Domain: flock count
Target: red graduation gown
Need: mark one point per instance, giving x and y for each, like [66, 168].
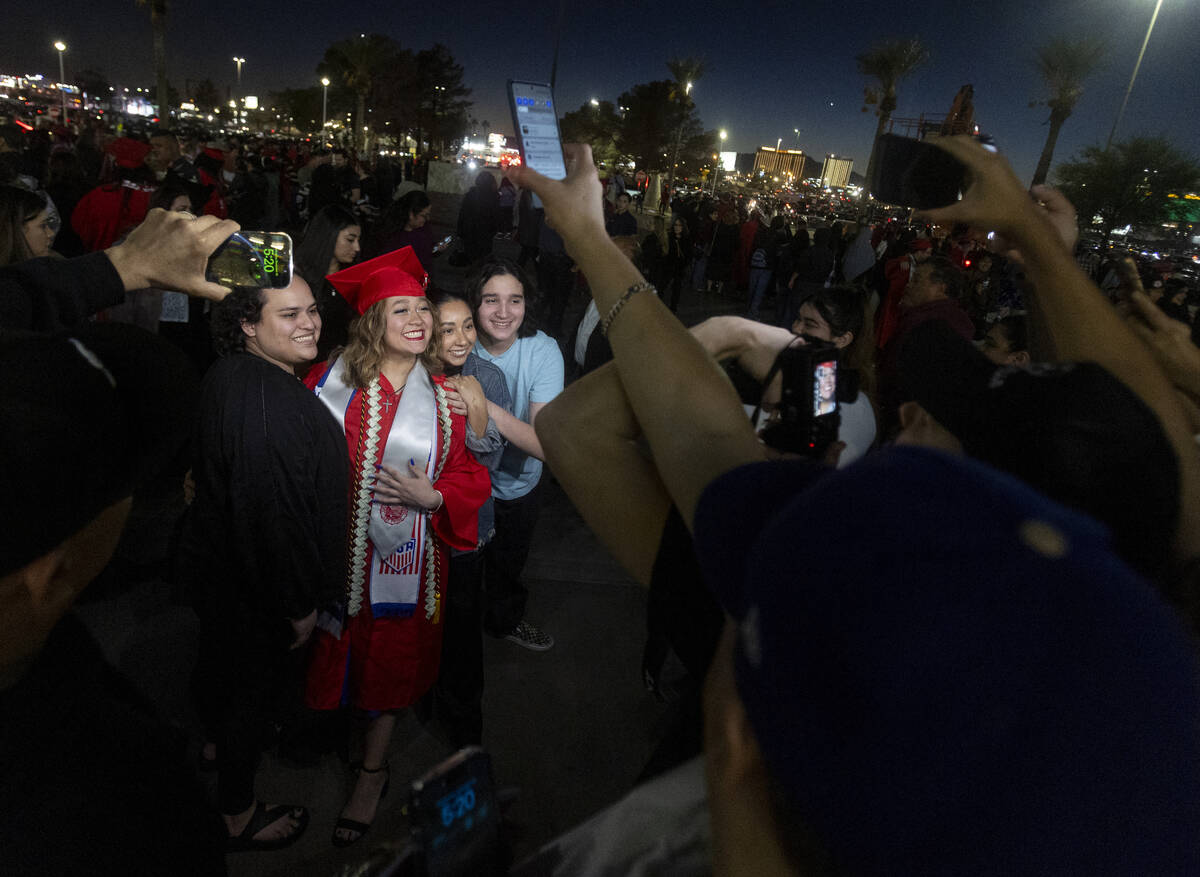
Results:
[388, 663]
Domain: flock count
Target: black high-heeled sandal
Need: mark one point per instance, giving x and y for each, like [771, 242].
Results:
[353, 825]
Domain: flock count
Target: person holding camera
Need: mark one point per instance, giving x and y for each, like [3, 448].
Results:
[168, 250]
[812, 759]
[836, 315]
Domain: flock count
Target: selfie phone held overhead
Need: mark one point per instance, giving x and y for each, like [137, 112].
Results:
[259, 259]
[535, 120]
[918, 173]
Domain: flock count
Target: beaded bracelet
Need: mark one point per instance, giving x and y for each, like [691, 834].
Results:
[640, 286]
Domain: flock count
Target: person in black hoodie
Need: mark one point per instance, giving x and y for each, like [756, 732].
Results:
[810, 272]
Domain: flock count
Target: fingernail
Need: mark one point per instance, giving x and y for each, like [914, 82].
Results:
[411, 461]
[378, 466]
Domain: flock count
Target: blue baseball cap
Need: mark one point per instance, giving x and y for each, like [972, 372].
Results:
[948, 673]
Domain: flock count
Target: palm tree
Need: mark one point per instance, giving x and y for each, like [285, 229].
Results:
[685, 72]
[887, 63]
[358, 63]
[1064, 64]
[158, 23]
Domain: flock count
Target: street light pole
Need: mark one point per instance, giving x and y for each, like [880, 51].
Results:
[239, 62]
[62, 78]
[717, 171]
[1121, 112]
[797, 130]
[324, 104]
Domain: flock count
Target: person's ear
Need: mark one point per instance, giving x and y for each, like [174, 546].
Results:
[841, 342]
[249, 329]
[1020, 358]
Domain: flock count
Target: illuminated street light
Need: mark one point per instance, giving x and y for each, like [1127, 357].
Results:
[594, 102]
[239, 62]
[324, 102]
[1121, 112]
[688, 90]
[61, 47]
[717, 172]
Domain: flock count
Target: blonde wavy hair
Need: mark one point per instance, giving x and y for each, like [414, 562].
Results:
[366, 351]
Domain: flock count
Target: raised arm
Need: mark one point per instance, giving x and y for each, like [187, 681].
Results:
[1078, 321]
[689, 413]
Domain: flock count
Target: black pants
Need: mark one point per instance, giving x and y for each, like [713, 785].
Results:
[504, 559]
[242, 684]
[458, 695]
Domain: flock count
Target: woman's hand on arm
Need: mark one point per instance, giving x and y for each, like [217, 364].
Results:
[471, 403]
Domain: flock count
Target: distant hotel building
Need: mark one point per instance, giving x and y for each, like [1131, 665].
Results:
[780, 163]
[835, 172]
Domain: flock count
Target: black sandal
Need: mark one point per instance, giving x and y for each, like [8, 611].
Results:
[353, 825]
[260, 819]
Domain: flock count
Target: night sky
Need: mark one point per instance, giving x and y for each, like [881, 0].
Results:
[772, 66]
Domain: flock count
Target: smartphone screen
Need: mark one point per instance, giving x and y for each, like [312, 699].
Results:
[536, 124]
[824, 388]
[261, 259]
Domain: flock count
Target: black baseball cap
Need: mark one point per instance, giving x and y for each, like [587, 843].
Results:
[1071, 430]
[85, 417]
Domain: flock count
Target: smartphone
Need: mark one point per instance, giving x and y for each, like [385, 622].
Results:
[536, 123]
[454, 812]
[915, 173]
[261, 259]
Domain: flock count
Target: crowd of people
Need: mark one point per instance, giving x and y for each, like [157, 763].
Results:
[961, 639]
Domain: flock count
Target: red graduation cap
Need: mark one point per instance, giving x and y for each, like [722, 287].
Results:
[128, 153]
[393, 274]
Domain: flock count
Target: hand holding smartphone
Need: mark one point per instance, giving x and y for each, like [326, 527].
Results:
[536, 123]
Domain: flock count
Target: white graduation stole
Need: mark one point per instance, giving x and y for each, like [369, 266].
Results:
[396, 533]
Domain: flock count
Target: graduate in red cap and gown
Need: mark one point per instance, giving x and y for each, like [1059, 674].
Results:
[415, 492]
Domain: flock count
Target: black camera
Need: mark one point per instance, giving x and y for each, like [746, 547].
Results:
[808, 417]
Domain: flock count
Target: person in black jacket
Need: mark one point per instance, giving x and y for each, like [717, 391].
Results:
[264, 540]
[810, 272]
[477, 223]
[95, 782]
[675, 261]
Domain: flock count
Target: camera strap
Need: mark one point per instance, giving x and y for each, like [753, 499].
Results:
[766, 382]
